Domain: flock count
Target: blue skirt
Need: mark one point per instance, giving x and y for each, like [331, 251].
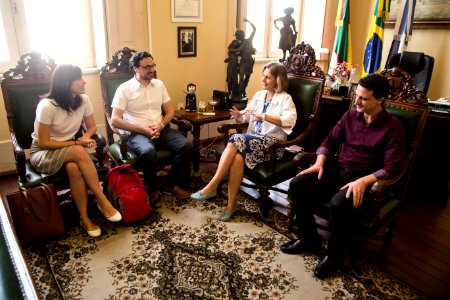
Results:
[253, 148]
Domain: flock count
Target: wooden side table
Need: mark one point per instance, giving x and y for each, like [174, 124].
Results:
[197, 120]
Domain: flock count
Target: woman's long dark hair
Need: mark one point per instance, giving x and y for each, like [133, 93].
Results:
[60, 87]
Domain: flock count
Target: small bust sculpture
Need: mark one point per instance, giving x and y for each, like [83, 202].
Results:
[191, 99]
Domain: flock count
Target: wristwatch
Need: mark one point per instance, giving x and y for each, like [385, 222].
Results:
[263, 117]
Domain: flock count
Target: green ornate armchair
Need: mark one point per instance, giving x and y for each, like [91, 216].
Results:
[112, 75]
[22, 87]
[306, 81]
[411, 107]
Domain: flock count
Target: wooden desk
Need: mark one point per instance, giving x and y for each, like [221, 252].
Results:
[197, 120]
[430, 178]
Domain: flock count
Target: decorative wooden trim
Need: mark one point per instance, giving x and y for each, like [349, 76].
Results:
[302, 61]
[120, 61]
[33, 66]
[402, 88]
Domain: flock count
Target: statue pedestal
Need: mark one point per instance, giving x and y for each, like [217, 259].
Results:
[240, 102]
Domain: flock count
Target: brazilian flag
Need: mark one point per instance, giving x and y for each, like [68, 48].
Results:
[374, 43]
[342, 50]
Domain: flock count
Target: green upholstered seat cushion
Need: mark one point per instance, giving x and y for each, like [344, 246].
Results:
[163, 157]
[114, 152]
[23, 100]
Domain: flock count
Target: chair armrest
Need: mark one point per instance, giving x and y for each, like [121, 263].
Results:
[225, 129]
[20, 158]
[183, 125]
[99, 149]
[101, 144]
[295, 141]
[304, 160]
[99, 139]
[381, 187]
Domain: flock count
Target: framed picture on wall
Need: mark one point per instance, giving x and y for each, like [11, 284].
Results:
[186, 10]
[427, 14]
[187, 41]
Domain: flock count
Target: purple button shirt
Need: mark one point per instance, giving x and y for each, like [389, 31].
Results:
[378, 148]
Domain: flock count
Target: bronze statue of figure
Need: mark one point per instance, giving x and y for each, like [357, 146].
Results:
[240, 63]
[288, 35]
[233, 67]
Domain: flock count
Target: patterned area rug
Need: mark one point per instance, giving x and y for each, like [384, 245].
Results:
[183, 252]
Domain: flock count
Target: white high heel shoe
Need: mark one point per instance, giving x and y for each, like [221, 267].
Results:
[114, 218]
[92, 233]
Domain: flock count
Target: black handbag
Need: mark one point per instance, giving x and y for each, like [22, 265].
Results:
[36, 213]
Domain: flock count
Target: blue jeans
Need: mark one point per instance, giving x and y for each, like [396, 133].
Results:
[171, 140]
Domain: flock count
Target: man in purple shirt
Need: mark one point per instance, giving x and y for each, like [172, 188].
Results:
[374, 149]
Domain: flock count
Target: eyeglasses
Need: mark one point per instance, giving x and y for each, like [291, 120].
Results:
[148, 67]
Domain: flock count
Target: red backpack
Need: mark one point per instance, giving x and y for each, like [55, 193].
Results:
[125, 190]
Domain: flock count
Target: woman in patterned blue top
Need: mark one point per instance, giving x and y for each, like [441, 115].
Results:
[271, 115]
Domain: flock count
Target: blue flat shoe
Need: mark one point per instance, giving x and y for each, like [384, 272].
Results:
[199, 196]
[225, 216]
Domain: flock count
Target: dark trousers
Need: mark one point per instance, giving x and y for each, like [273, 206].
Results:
[171, 140]
[307, 191]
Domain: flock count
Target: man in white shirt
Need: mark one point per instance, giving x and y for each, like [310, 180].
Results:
[142, 106]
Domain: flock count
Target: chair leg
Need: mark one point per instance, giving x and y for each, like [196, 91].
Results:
[389, 234]
[266, 202]
[360, 246]
[290, 215]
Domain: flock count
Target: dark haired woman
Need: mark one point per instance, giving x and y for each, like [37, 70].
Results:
[58, 118]
[271, 115]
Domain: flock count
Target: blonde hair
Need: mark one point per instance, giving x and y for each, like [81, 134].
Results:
[279, 71]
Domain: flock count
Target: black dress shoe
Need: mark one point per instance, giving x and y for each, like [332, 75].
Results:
[298, 246]
[327, 267]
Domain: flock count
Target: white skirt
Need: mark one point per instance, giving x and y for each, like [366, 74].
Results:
[47, 162]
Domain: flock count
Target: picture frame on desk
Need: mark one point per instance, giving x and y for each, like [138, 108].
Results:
[187, 41]
[352, 90]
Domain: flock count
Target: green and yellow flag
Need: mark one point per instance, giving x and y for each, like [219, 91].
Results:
[374, 44]
[342, 50]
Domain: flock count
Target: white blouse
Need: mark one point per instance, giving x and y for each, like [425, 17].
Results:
[281, 105]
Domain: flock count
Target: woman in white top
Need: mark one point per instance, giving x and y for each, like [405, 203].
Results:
[58, 118]
[271, 115]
